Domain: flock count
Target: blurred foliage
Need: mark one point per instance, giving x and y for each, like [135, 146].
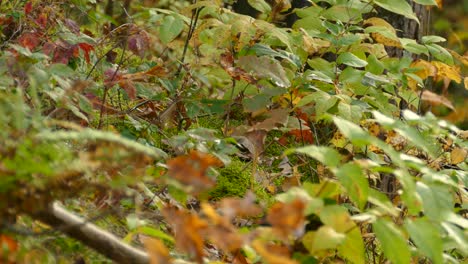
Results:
[213, 137]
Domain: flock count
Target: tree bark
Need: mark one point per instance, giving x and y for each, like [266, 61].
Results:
[407, 28]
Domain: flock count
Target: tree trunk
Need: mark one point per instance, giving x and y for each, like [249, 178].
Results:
[407, 28]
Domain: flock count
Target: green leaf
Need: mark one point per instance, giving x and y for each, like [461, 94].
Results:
[458, 236]
[397, 6]
[324, 66]
[440, 53]
[349, 111]
[170, 28]
[426, 237]
[324, 238]
[426, 2]
[325, 155]
[151, 231]
[342, 13]
[354, 181]
[414, 47]
[334, 28]
[350, 59]
[264, 50]
[347, 40]
[257, 102]
[437, 200]
[353, 247]
[324, 189]
[323, 102]
[393, 242]
[265, 67]
[260, 5]
[432, 39]
[381, 201]
[353, 132]
[374, 66]
[319, 76]
[337, 217]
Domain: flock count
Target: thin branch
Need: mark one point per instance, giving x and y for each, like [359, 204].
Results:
[103, 242]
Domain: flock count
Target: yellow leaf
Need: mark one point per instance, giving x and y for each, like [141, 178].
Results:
[425, 69]
[390, 40]
[439, 3]
[458, 155]
[465, 81]
[446, 71]
[377, 21]
[379, 38]
[462, 59]
[436, 99]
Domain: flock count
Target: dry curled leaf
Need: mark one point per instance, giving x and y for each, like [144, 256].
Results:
[436, 99]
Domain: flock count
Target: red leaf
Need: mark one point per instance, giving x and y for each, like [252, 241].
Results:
[304, 134]
[129, 88]
[29, 40]
[139, 43]
[42, 20]
[27, 8]
[86, 49]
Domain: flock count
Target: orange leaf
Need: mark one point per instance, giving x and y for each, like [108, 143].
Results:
[304, 134]
[192, 169]
[271, 255]
[158, 253]
[220, 231]
[288, 218]
[187, 229]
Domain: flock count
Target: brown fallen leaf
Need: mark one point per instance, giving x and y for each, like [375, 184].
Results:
[436, 99]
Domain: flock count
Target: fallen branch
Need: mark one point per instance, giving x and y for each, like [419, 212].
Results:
[103, 242]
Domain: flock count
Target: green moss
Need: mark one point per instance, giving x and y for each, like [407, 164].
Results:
[215, 122]
[233, 180]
